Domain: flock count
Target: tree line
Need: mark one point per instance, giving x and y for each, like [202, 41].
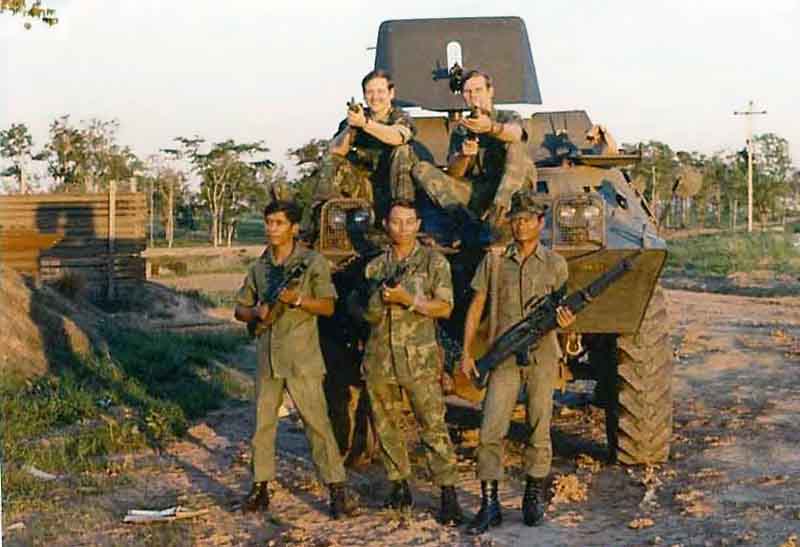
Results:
[233, 179]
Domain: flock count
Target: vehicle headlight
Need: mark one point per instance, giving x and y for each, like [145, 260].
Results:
[591, 212]
[361, 216]
[337, 219]
[566, 212]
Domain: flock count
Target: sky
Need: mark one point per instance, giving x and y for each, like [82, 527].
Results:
[282, 72]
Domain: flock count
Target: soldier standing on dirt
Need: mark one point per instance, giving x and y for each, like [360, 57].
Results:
[369, 157]
[508, 279]
[402, 354]
[488, 159]
[289, 356]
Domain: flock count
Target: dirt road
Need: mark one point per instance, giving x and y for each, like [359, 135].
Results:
[733, 478]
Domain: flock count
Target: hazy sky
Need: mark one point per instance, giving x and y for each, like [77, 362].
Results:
[282, 71]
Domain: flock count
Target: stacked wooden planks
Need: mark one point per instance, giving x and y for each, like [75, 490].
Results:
[48, 235]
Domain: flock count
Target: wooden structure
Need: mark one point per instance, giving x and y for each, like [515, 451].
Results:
[99, 237]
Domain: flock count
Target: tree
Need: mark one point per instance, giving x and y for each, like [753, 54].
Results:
[308, 158]
[169, 190]
[658, 167]
[228, 180]
[88, 157]
[16, 144]
[33, 10]
[772, 170]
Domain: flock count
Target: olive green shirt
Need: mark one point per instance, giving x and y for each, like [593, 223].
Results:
[289, 346]
[518, 281]
[402, 345]
[490, 162]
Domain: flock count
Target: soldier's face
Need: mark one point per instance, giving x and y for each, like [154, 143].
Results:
[378, 95]
[402, 225]
[279, 230]
[476, 92]
[525, 227]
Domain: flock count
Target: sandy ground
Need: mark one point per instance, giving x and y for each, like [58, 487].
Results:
[733, 477]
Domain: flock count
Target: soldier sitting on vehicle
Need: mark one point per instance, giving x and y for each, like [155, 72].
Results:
[488, 158]
[369, 157]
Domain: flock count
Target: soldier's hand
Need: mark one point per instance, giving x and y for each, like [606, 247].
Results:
[468, 366]
[564, 317]
[469, 147]
[481, 124]
[356, 118]
[289, 296]
[397, 295]
[262, 312]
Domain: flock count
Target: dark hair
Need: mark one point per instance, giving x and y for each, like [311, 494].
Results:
[289, 208]
[404, 203]
[374, 74]
[473, 73]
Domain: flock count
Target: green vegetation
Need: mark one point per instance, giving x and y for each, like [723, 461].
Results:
[724, 254]
[181, 266]
[143, 395]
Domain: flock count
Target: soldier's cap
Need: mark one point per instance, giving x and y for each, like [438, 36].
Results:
[524, 201]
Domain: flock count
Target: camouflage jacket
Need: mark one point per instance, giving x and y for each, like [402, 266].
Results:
[289, 346]
[490, 161]
[402, 344]
[371, 152]
[519, 280]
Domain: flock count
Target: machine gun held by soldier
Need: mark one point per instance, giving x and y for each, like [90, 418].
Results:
[278, 279]
[526, 333]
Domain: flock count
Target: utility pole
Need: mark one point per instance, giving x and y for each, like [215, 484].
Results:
[749, 113]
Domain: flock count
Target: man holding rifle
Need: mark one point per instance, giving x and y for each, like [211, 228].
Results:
[289, 356]
[507, 280]
[402, 355]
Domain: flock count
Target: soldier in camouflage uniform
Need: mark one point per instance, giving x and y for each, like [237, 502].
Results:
[488, 159]
[369, 157]
[289, 356]
[508, 279]
[402, 354]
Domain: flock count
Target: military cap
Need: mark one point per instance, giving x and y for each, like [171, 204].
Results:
[524, 201]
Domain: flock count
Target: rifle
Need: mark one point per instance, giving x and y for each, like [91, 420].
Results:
[527, 332]
[278, 279]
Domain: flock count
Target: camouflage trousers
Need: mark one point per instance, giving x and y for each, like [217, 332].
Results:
[427, 403]
[501, 398]
[309, 399]
[485, 198]
[367, 175]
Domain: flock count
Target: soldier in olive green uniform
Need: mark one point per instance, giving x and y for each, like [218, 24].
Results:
[488, 159]
[402, 353]
[507, 280]
[369, 157]
[289, 356]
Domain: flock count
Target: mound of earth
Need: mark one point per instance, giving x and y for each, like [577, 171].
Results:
[40, 324]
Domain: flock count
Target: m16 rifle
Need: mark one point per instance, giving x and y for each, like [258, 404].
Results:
[526, 333]
[278, 279]
[356, 155]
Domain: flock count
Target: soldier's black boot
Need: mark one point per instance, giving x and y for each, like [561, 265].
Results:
[490, 513]
[450, 513]
[533, 502]
[400, 496]
[257, 499]
[341, 504]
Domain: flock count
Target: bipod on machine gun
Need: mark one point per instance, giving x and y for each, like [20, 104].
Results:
[278, 279]
[526, 333]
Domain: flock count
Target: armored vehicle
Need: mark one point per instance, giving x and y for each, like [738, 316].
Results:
[596, 217]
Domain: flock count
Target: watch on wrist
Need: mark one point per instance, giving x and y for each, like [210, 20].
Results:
[298, 302]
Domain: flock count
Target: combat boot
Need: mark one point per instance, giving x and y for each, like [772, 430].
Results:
[341, 504]
[490, 513]
[399, 497]
[450, 513]
[533, 501]
[257, 499]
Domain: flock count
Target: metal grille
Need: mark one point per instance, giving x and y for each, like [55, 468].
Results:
[579, 221]
[333, 237]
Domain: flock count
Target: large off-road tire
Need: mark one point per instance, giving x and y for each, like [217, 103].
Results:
[644, 388]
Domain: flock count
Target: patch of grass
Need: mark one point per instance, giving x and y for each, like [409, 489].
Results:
[210, 299]
[722, 255]
[144, 394]
[168, 266]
